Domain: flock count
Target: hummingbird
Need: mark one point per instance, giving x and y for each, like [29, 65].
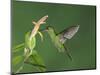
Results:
[60, 38]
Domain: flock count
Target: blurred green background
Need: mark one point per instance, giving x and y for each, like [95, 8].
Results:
[82, 45]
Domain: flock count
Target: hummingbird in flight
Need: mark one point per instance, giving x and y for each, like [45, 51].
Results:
[60, 38]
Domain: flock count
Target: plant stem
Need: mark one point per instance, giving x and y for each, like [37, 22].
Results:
[16, 48]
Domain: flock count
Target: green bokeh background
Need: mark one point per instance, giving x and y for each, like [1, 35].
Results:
[82, 45]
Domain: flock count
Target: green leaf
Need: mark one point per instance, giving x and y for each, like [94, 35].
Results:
[16, 60]
[29, 43]
[34, 64]
[36, 61]
[18, 47]
[41, 35]
[33, 43]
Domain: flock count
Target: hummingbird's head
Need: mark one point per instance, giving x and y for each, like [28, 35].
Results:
[49, 29]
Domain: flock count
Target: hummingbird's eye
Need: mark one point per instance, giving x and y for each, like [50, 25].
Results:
[47, 27]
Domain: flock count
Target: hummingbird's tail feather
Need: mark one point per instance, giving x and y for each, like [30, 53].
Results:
[67, 52]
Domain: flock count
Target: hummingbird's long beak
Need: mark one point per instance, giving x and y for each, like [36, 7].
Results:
[44, 30]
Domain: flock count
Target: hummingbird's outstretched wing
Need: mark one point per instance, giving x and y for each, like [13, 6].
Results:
[68, 33]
